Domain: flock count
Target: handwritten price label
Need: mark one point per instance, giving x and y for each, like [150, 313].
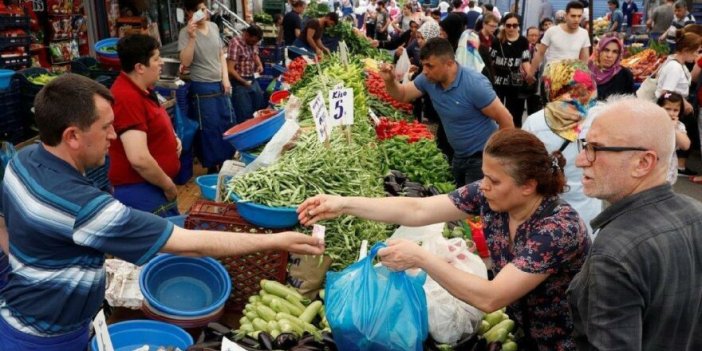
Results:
[341, 107]
[320, 116]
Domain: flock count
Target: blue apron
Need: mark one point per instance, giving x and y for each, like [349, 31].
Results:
[213, 110]
[12, 339]
[146, 197]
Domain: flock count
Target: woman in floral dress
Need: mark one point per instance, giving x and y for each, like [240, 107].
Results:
[537, 242]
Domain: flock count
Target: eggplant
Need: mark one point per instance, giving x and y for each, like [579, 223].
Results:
[328, 341]
[495, 346]
[248, 341]
[219, 327]
[306, 348]
[285, 341]
[265, 341]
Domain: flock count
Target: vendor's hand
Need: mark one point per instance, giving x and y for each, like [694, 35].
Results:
[399, 50]
[319, 208]
[387, 72]
[227, 87]
[401, 254]
[374, 43]
[320, 54]
[171, 192]
[413, 69]
[299, 243]
[179, 146]
[192, 29]
[259, 69]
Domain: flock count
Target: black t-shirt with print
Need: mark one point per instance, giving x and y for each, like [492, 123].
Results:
[507, 57]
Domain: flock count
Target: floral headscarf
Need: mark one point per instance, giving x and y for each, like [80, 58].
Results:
[429, 30]
[571, 91]
[603, 75]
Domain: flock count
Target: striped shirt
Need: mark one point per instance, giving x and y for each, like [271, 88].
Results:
[60, 226]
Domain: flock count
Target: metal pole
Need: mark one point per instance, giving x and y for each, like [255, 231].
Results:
[591, 20]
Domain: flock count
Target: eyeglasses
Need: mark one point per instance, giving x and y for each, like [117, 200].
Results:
[510, 25]
[590, 149]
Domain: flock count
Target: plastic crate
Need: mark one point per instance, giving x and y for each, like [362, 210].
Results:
[8, 42]
[247, 271]
[270, 53]
[8, 21]
[90, 67]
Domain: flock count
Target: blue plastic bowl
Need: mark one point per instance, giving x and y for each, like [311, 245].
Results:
[208, 186]
[100, 45]
[6, 78]
[130, 335]
[185, 286]
[256, 134]
[265, 216]
[247, 157]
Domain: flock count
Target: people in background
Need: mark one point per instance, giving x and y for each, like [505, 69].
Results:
[616, 17]
[531, 91]
[629, 8]
[674, 76]
[545, 10]
[243, 63]
[681, 18]
[402, 23]
[564, 41]
[57, 226]
[144, 156]
[638, 288]
[310, 37]
[660, 20]
[472, 15]
[611, 77]
[544, 25]
[673, 105]
[292, 22]
[510, 60]
[571, 95]
[464, 99]
[536, 241]
[382, 21]
[202, 49]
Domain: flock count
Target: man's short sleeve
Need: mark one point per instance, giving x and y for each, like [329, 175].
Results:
[546, 40]
[297, 22]
[586, 38]
[128, 115]
[553, 244]
[483, 93]
[108, 226]
[421, 83]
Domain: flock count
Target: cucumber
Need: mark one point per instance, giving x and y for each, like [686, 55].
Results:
[509, 346]
[496, 335]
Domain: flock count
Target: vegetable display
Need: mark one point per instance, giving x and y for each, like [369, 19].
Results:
[421, 161]
[42, 79]
[376, 86]
[644, 63]
[414, 131]
[296, 69]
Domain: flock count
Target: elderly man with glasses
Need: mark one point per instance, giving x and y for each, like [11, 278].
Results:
[639, 288]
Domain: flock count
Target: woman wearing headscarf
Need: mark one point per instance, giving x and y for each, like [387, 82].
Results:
[571, 93]
[605, 65]
[451, 28]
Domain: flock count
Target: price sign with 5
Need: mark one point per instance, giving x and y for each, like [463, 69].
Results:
[341, 106]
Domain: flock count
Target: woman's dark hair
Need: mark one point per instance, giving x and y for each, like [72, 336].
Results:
[136, 48]
[191, 5]
[453, 25]
[502, 35]
[66, 101]
[671, 97]
[525, 157]
[489, 7]
[687, 41]
[575, 5]
[613, 2]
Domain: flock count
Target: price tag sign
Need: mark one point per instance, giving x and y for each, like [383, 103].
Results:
[101, 334]
[318, 231]
[373, 116]
[320, 116]
[341, 107]
[344, 53]
[228, 345]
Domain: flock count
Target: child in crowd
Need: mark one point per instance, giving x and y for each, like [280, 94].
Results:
[673, 104]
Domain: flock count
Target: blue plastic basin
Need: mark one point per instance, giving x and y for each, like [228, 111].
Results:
[247, 157]
[130, 335]
[208, 186]
[185, 286]
[100, 45]
[256, 134]
[266, 216]
[6, 78]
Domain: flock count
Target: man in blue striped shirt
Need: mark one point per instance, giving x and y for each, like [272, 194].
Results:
[60, 226]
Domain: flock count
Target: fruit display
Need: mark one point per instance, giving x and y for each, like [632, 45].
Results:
[643, 64]
[600, 25]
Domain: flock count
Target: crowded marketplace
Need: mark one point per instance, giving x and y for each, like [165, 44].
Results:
[322, 175]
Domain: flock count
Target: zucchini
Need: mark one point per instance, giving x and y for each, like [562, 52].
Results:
[266, 313]
[495, 334]
[484, 327]
[280, 290]
[494, 317]
[311, 311]
[260, 325]
[509, 346]
[506, 324]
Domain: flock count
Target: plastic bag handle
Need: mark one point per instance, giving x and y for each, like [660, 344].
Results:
[375, 249]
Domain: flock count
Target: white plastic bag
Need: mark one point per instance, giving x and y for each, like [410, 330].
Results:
[402, 67]
[467, 54]
[449, 317]
[274, 148]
